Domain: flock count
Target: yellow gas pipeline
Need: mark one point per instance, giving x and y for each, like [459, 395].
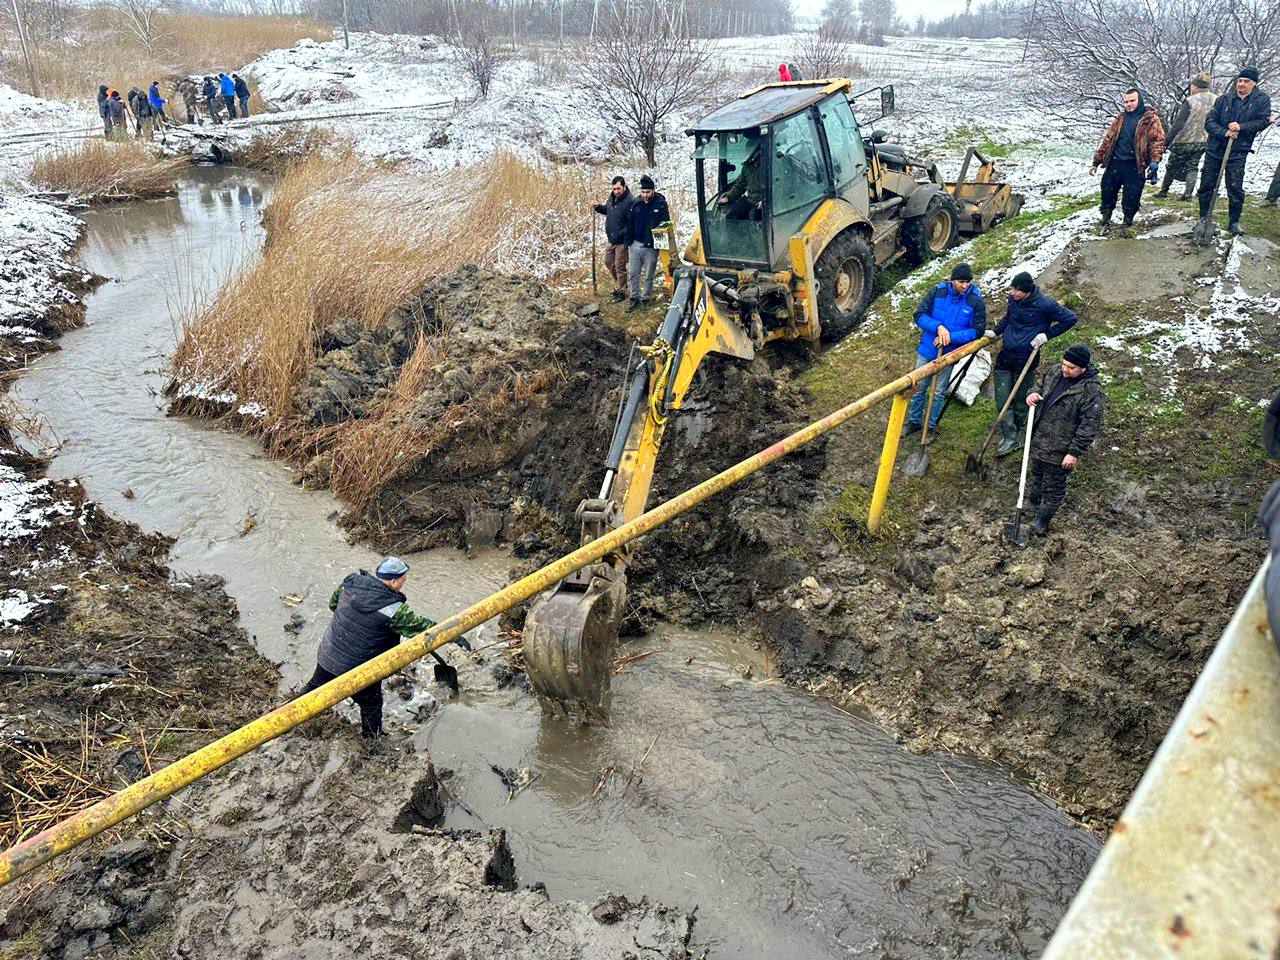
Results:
[61, 837]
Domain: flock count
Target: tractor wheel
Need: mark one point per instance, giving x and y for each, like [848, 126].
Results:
[846, 272]
[934, 232]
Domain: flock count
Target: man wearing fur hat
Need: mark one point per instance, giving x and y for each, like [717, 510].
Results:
[1068, 417]
[1236, 118]
[1130, 150]
[1187, 137]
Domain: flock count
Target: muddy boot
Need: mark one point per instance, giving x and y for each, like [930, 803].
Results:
[1165, 184]
[617, 296]
[1234, 229]
[910, 427]
[1006, 446]
[1128, 220]
[1190, 192]
[1040, 525]
[632, 305]
[1104, 223]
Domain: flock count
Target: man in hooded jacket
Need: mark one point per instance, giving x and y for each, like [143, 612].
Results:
[104, 111]
[1130, 150]
[370, 616]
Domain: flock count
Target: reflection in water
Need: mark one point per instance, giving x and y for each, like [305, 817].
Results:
[798, 830]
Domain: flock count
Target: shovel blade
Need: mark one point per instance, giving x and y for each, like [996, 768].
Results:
[1016, 533]
[448, 675]
[975, 466]
[916, 464]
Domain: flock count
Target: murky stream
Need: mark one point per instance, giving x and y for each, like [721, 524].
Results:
[798, 830]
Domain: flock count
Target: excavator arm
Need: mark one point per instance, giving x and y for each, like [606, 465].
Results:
[571, 633]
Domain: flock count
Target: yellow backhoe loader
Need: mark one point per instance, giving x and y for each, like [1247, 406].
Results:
[797, 210]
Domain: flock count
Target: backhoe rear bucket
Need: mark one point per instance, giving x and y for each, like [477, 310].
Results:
[571, 639]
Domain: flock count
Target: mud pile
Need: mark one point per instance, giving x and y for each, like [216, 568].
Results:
[514, 394]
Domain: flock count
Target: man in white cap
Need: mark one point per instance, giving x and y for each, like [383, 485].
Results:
[370, 615]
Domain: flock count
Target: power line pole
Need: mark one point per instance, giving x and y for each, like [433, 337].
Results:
[26, 52]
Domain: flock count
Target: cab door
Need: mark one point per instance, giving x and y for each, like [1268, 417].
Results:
[846, 150]
[798, 180]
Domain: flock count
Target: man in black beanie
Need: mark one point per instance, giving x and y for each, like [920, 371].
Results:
[1031, 319]
[1237, 117]
[1068, 418]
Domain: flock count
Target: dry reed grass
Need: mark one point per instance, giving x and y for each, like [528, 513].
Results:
[99, 171]
[188, 43]
[346, 240]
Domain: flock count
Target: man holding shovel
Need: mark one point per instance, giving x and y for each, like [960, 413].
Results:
[1237, 117]
[1068, 417]
[951, 314]
[1031, 319]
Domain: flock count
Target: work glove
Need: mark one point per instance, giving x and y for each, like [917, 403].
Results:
[1152, 169]
[1039, 340]
[989, 334]
[464, 643]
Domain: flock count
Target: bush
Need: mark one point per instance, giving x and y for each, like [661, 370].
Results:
[98, 171]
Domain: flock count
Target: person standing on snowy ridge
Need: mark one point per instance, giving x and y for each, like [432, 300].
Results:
[1130, 150]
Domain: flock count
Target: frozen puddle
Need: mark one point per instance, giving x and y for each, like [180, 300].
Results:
[796, 829]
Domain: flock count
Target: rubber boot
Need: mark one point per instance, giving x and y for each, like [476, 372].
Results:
[1040, 525]
[1105, 223]
[1233, 219]
[1128, 220]
[1233, 228]
[1190, 192]
[632, 305]
[1165, 184]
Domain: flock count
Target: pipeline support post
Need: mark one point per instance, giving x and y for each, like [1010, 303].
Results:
[888, 455]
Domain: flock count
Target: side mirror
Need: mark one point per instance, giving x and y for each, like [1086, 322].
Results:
[886, 101]
[879, 136]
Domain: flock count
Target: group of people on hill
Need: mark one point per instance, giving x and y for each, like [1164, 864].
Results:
[1220, 130]
[225, 92]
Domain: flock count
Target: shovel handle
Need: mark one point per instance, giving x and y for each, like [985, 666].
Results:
[928, 408]
[1026, 456]
[1008, 402]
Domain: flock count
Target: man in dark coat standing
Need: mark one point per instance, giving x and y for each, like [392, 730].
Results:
[1130, 150]
[1237, 116]
[1068, 418]
[617, 234]
[104, 111]
[370, 615]
[1031, 319]
[242, 93]
[648, 213]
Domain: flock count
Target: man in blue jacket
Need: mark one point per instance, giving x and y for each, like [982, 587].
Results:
[227, 88]
[370, 615]
[951, 314]
[1031, 319]
[1238, 116]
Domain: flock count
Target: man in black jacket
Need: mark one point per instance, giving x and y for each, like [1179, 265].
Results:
[1237, 116]
[617, 234]
[1068, 418]
[1031, 319]
[648, 212]
[370, 615]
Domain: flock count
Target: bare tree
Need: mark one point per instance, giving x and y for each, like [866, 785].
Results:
[823, 54]
[1088, 52]
[139, 19]
[644, 66]
[877, 19]
[478, 50]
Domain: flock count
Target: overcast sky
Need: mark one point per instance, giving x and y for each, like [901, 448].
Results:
[909, 10]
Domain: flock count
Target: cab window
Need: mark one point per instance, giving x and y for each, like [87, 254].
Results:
[844, 142]
[731, 191]
[799, 181]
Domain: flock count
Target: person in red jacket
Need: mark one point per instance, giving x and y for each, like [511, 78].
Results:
[784, 73]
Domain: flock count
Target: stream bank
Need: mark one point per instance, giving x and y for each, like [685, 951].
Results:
[788, 824]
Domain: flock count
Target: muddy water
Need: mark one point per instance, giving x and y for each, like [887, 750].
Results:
[798, 830]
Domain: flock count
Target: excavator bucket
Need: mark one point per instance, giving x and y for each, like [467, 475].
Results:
[571, 639]
[983, 200]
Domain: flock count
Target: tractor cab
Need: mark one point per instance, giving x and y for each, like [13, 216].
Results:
[766, 161]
